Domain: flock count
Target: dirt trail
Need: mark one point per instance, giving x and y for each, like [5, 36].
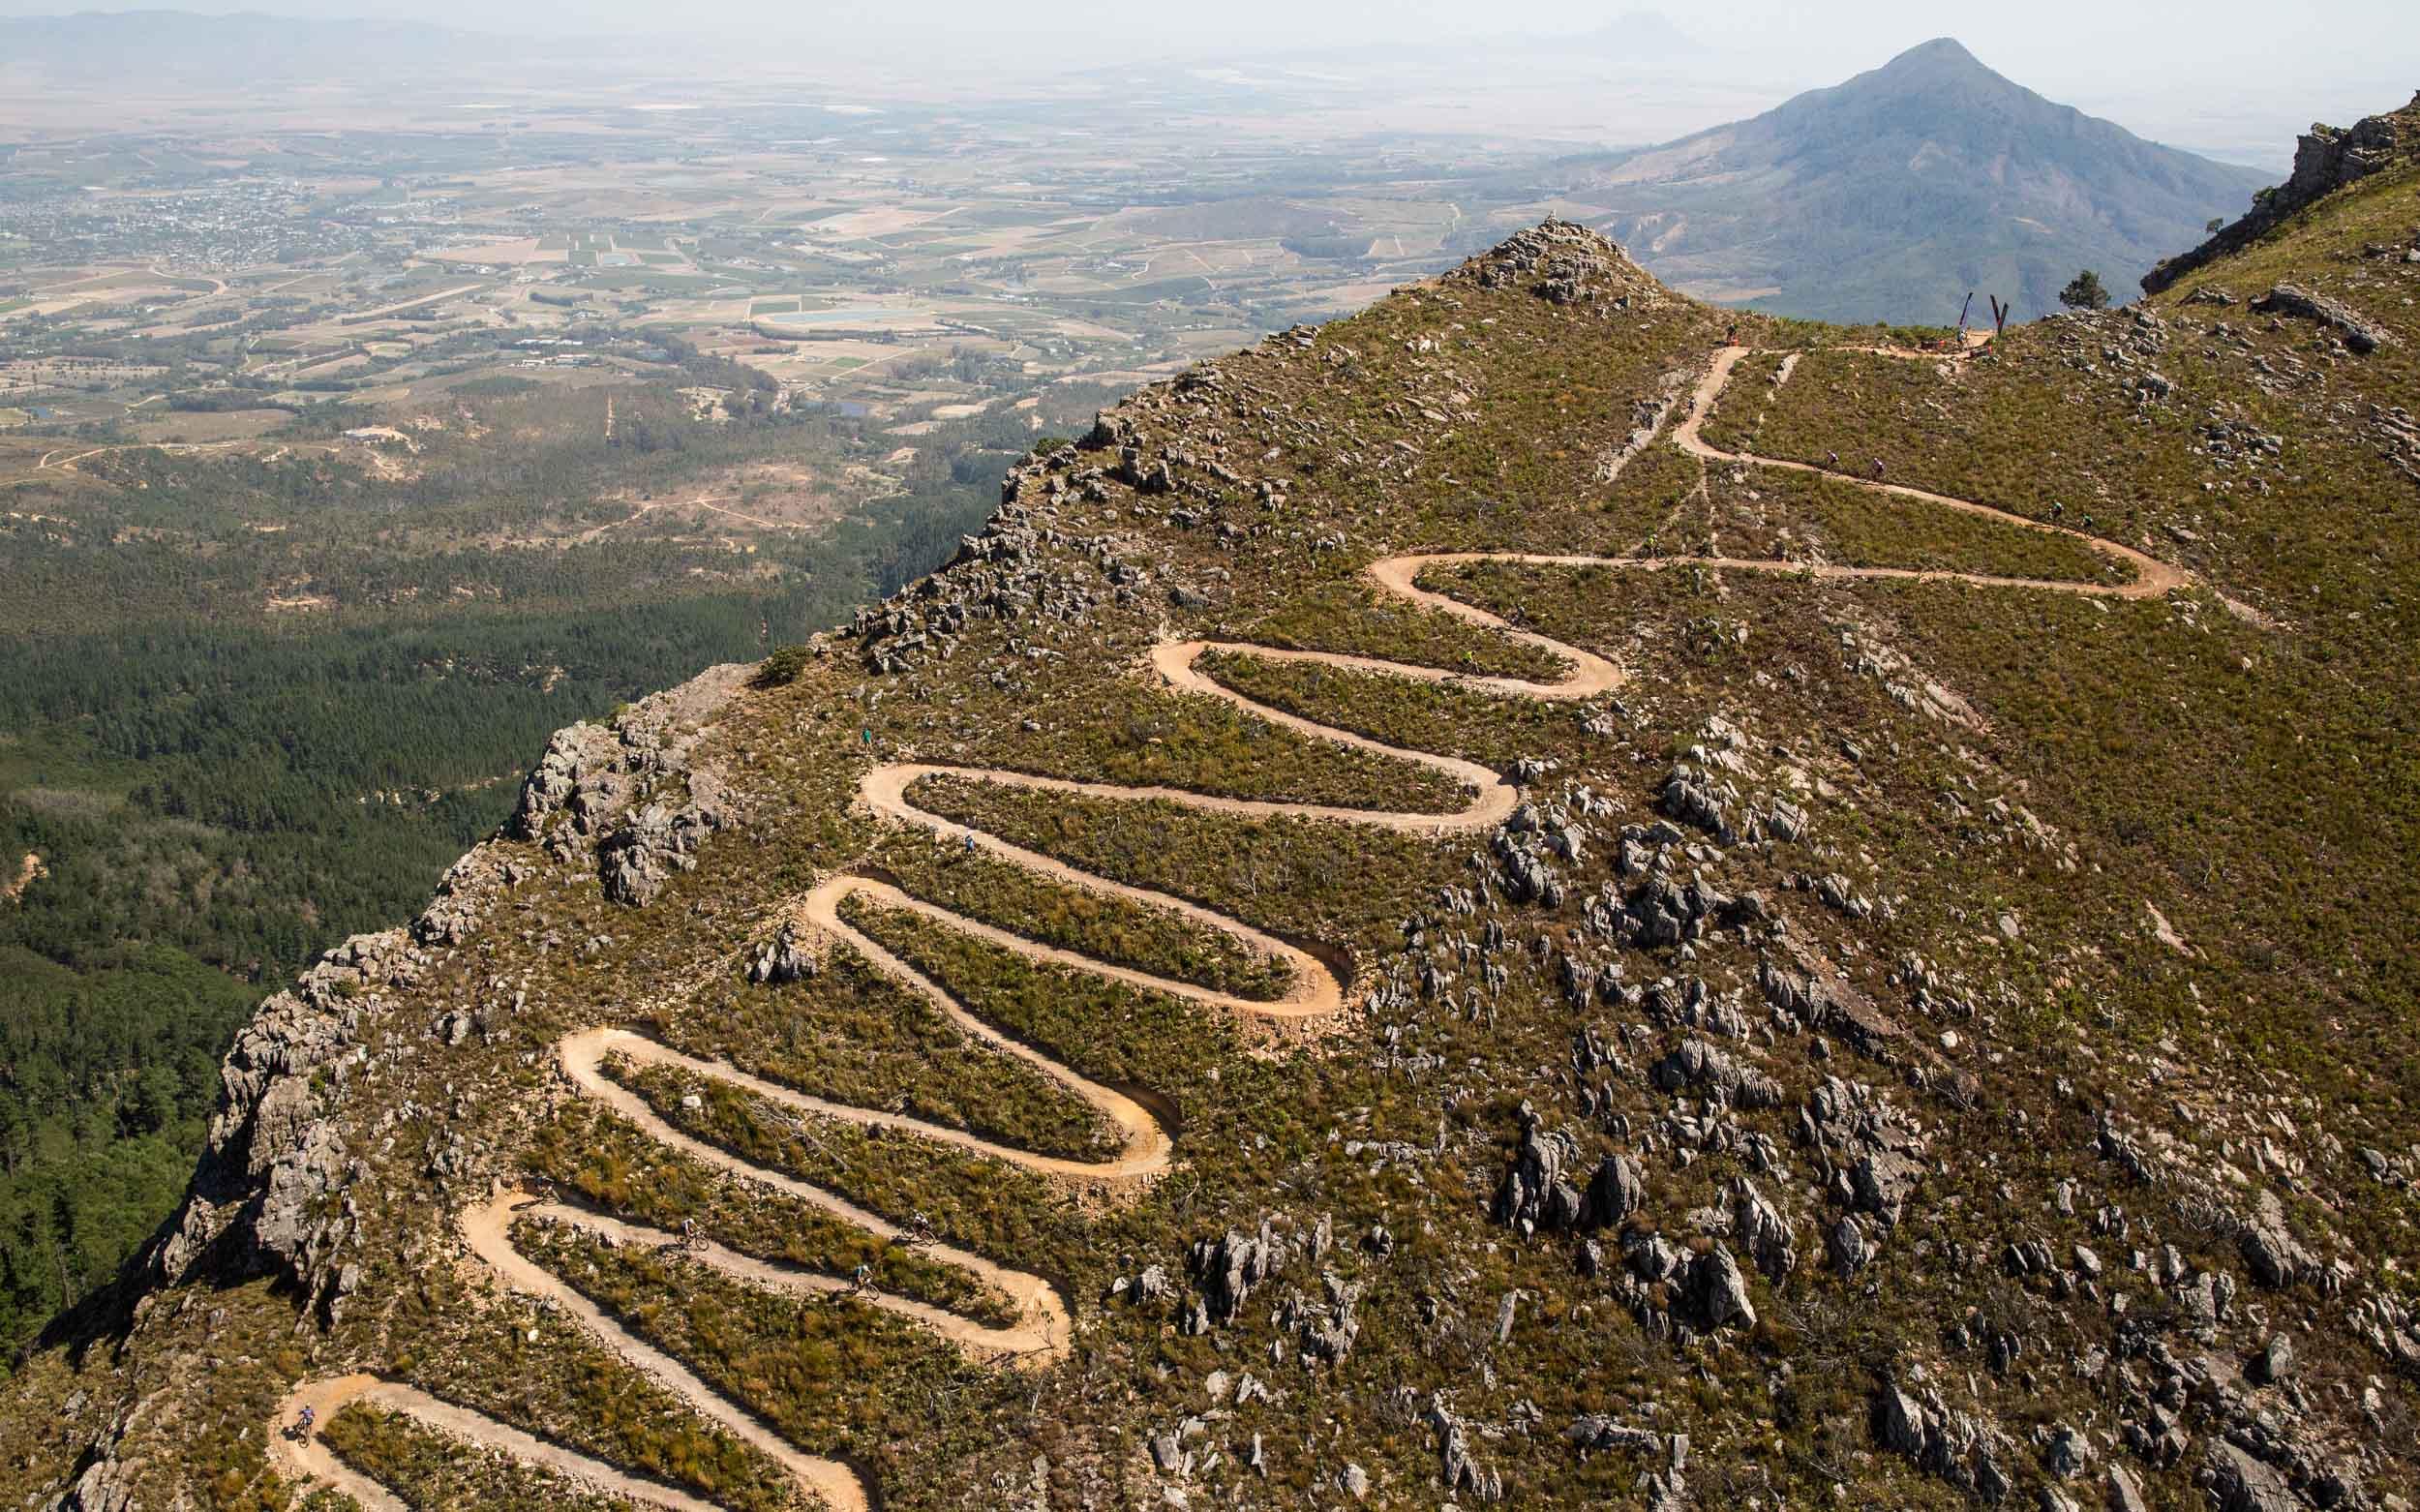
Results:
[1031, 1341]
[2152, 577]
[649, 508]
[1046, 1313]
[308, 1459]
[60, 457]
[488, 1228]
[1321, 979]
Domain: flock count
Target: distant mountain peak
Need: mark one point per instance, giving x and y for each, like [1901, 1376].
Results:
[1943, 64]
[1894, 192]
[1940, 53]
[1644, 32]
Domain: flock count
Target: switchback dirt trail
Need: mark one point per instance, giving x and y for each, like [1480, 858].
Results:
[1319, 976]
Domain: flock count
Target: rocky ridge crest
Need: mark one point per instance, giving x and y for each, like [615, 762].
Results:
[2326, 159]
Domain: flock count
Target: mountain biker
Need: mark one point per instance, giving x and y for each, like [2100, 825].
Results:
[303, 1421]
[861, 1278]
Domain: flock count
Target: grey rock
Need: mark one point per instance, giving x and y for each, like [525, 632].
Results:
[1847, 1247]
[1600, 1430]
[1719, 1291]
[272, 1153]
[1875, 1155]
[1902, 1424]
[2274, 1363]
[783, 959]
[1229, 1267]
[2070, 1453]
[1536, 1193]
[1328, 1329]
[1689, 796]
[1761, 1229]
[1699, 1065]
[2239, 1481]
[2326, 159]
[2359, 334]
[1617, 1190]
[1167, 1452]
[2120, 1493]
[2276, 1256]
[1464, 1476]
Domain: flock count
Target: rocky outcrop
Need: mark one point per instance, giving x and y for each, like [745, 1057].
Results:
[264, 1199]
[1699, 1066]
[1962, 1448]
[1537, 1193]
[628, 796]
[659, 841]
[2326, 159]
[2242, 1483]
[1561, 262]
[2334, 315]
[267, 1195]
[1018, 566]
[784, 958]
[1229, 1268]
[1872, 1155]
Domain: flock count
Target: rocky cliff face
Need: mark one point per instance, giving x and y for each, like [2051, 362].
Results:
[2325, 160]
[269, 1197]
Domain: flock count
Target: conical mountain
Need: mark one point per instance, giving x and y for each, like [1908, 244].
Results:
[1891, 196]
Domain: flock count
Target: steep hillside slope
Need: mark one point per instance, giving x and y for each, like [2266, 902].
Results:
[1893, 195]
[1493, 901]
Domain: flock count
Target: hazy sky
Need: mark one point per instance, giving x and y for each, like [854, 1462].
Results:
[2158, 66]
[2201, 44]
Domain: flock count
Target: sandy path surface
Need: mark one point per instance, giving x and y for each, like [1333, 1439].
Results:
[583, 1054]
[65, 458]
[2152, 577]
[1320, 980]
[299, 1459]
[488, 1228]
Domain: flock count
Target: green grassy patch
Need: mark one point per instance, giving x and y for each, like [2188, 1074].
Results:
[1099, 925]
[855, 1035]
[1107, 1030]
[834, 1375]
[428, 1469]
[975, 1201]
[603, 1160]
[1797, 516]
[1353, 618]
